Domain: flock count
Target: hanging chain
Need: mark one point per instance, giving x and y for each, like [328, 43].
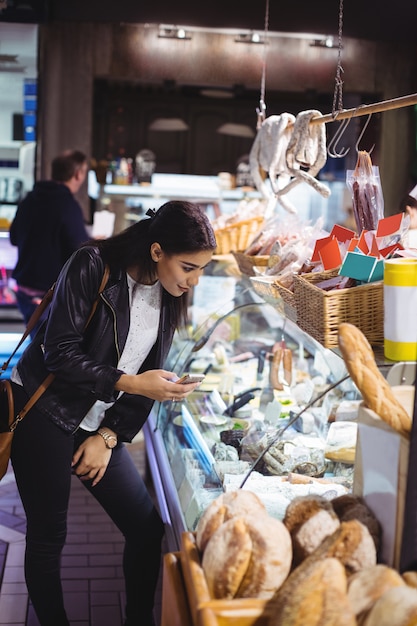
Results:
[262, 106]
[338, 89]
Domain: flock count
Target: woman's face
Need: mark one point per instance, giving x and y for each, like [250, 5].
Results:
[180, 272]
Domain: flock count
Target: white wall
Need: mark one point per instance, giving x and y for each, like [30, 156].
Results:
[21, 40]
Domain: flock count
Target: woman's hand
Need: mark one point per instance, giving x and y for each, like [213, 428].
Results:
[155, 384]
[91, 459]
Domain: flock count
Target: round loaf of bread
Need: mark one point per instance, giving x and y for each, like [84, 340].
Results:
[352, 544]
[247, 557]
[315, 594]
[350, 506]
[226, 558]
[396, 607]
[368, 585]
[410, 578]
[309, 519]
[224, 507]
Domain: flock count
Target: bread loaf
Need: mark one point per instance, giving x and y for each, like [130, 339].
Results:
[224, 507]
[227, 558]
[315, 594]
[410, 578]
[351, 544]
[376, 392]
[309, 519]
[368, 585]
[350, 506]
[396, 607]
[247, 557]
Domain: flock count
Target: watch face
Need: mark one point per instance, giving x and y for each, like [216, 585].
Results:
[111, 442]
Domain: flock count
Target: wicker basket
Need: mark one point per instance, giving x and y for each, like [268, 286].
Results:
[288, 297]
[266, 288]
[320, 312]
[247, 262]
[237, 236]
[234, 612]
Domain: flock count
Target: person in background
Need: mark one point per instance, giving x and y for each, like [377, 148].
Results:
[107, 376]
[408, 205]
[48, 227]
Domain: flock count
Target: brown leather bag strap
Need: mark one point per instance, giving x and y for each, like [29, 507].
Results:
[35, 317]
[48, 380]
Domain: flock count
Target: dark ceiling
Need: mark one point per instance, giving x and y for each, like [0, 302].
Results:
[364, 19]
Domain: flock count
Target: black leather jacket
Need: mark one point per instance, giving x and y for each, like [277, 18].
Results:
[84, 361]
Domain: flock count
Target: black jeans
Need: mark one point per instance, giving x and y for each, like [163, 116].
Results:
[41, 458]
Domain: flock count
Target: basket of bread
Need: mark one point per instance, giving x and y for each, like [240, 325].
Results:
[317, 567]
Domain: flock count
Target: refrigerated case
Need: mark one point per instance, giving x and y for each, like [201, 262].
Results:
[209, 443]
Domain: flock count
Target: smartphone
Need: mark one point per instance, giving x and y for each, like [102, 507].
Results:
[191, 378]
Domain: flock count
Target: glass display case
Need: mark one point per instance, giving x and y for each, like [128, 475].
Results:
[268, 409]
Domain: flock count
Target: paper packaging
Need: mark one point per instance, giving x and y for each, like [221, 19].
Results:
[381, 467]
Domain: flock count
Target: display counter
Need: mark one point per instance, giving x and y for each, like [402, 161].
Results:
[210, 442]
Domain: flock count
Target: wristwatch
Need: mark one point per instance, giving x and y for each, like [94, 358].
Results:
[109, 440]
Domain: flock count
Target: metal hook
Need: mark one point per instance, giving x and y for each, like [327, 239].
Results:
[362, 134]
[331, 149]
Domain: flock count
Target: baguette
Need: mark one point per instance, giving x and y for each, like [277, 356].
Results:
[376, 392]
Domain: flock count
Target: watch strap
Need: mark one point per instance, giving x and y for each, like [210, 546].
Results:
[106, 436]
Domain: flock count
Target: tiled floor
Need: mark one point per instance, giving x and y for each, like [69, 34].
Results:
[91, 566]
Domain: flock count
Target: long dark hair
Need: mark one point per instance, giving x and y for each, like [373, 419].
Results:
[179, 227]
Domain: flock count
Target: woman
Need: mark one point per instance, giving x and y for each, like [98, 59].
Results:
[408, 206]
[107, 376]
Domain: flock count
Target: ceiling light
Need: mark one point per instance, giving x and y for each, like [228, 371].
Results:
[252, 37]
[173, 32]
[236, 130]
[326, 42]
[168, 124]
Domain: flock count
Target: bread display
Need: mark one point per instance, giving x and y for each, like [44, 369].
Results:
[376, 392]
[309, 519]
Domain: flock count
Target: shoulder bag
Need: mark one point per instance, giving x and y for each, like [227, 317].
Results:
[8, 419]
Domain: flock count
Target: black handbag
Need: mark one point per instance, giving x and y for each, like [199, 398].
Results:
[8, 419]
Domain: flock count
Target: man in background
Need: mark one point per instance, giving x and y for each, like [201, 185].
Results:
[48, 227]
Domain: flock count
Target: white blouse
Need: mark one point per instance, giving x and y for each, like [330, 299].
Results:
[145, 309]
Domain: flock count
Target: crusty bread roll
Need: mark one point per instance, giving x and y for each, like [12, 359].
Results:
[315, 594]
[368, 585]
[227, 558]
[224, 507]
[247, 557]
[309, 519]
[350, 506]
[396, 607]
[352, 544]
[376, 392]
[410, 578]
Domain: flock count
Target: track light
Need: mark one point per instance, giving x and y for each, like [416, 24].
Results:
[252, 37]
[326, 42]
[173, 32]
